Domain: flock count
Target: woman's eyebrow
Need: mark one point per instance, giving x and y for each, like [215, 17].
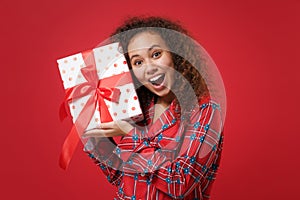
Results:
[133, 56]
[155, 45]
[149, 49]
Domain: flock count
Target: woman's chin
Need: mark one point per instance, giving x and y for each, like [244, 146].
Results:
[162, 94]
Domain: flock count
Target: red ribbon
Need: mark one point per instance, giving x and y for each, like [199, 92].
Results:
[99, 90]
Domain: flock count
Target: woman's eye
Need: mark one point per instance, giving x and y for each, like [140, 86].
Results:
[156, 54]
[137, 62]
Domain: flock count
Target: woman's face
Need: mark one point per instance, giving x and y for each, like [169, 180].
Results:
[152, 63]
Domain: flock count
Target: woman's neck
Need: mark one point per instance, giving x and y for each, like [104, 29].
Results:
[166, 100]
[161, 104]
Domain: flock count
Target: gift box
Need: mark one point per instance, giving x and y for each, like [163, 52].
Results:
[99, 87]
[109, 62]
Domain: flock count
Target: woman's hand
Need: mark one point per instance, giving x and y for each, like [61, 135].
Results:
[110, 129]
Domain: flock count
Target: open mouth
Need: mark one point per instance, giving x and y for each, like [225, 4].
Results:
[157, 80]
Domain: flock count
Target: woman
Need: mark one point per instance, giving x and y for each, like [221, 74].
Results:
[175, 151]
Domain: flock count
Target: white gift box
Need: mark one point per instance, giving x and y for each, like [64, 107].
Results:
[109, 62]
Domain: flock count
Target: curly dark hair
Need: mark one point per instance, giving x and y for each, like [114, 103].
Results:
[185, 54]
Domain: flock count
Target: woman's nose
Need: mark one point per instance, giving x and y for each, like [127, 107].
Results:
[151, 69]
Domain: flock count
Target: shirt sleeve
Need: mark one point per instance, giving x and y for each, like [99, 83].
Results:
[104, 153]
[197, 160]
[100, 151]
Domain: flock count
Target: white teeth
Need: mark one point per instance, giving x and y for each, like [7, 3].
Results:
[156, 78]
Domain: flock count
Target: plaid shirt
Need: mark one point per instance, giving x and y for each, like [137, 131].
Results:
[172, 158]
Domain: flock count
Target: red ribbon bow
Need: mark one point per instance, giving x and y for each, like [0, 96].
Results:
[99, 90]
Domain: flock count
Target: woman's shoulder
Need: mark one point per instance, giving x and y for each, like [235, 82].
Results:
[205, 104]
[204, 99]
[202, 102]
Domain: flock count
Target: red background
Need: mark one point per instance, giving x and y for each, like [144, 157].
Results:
[255, 45]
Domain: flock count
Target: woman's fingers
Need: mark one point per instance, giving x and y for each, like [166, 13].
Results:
[107, 125]
[118, 126]
[98, 133]
[109, 129]
[123, 126]
[113, 134]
